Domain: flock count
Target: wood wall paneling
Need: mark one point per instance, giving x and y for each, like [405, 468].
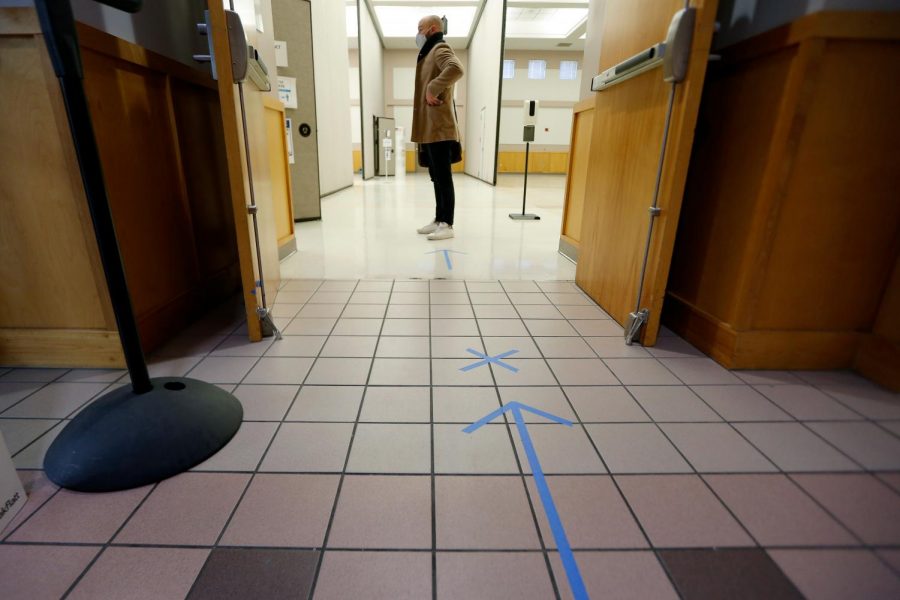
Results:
[573, 210]
[842, 154]
[791, 225]
[50, 279]
[282, 204]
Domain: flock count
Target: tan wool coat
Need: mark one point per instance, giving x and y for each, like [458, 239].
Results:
[436, 73]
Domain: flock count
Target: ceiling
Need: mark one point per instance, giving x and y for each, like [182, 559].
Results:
[530, 24]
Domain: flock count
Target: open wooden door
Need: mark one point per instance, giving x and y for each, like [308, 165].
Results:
[642, 135]
[238, 181]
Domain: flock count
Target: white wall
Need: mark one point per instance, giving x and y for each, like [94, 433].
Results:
[590, 63]
[552, 88]
[332, 66]
[557, 97]
[558, 122]
[483, 92]
[372, 87]
[742, 19]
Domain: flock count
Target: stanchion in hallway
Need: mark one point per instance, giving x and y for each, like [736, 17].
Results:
[156, 428]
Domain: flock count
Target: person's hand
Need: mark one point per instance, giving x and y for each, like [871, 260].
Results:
[432, 100]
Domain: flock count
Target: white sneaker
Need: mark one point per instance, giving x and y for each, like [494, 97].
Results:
[430, 228]
[443, 232]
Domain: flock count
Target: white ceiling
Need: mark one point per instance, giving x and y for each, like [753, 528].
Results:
[530, 24]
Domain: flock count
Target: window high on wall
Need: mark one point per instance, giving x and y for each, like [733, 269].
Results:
[509, 69]
[568, 69]
[537, 69]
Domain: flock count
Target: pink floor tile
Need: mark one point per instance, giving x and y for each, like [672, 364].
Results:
[592, 511]
[374, 576]
[678, 511]
[620, 575]
[838, 574]
[141, 574]
[483, 513]
[283, 511]
[190, 509]
[73, 517]
[493, 576]
[861, 502]
[383, 512]
[32, 572]
[777, 512]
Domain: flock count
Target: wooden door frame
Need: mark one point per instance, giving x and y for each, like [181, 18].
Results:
[238, 192]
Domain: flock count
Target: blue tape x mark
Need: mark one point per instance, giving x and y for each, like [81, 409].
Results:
[490, 359]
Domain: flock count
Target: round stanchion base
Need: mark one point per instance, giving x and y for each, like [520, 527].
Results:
[125, 440]
[524, 217]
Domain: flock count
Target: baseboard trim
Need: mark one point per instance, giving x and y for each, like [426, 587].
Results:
[760, 349]
[879, 360]
[69, 348]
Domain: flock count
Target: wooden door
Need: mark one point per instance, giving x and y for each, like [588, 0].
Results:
[628, 151]
[238, 183]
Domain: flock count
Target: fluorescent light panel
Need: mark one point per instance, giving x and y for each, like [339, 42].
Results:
[543, 22]
[403, 21]
[352, 22]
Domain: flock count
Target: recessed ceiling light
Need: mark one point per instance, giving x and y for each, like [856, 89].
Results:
[403, 21]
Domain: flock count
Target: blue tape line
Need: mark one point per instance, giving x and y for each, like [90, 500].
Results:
[490, 359]
[447, 260]
[559, 533]
[556, 527]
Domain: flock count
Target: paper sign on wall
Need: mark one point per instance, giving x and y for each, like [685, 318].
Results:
[281, 57]
[12, 494]
[290, 141]
[287, 91]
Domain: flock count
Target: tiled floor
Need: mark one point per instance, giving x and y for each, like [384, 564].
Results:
[351, 476]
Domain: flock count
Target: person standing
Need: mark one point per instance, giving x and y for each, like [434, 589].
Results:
[434, 124]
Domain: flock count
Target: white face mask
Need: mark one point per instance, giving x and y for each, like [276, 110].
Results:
[420, 40]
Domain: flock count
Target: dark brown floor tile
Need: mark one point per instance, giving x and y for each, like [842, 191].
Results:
[727, 574]
[256, 573]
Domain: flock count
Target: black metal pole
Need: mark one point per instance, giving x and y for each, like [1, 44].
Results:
[525, 187]
[58, 26]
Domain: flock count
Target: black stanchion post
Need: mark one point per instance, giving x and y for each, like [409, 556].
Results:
[159, 427]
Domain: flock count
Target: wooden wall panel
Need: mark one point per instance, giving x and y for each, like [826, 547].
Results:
[282, 205]
[50, 274]
[203, 157]
[840, 211]
[131, 117]
[582, 130]
[791, 227]
[735, 126]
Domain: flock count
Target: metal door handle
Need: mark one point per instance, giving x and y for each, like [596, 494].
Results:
[673, 55]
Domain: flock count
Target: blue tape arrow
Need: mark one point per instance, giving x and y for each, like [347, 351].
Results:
[559, 533]
[446, 256]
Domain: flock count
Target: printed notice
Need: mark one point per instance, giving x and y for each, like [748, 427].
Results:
[287, 91]
[281, 57]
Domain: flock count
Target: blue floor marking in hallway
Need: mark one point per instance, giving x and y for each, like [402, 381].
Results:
[490, 359]
[559, 533]
[446, 256]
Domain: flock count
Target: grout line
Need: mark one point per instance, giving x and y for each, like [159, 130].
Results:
[255, 471]
[106, 544]
[433, 477]
[337, 495]
[531, 502]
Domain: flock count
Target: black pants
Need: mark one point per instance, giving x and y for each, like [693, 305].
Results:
[442, 177]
